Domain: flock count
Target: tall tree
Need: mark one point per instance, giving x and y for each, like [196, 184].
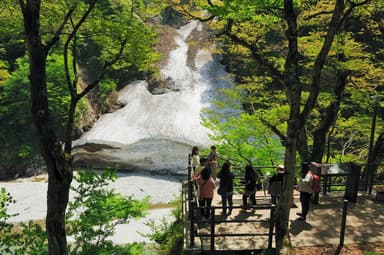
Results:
[256, 26]
[119, 21]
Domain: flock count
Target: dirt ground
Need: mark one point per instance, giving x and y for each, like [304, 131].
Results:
[351, 249]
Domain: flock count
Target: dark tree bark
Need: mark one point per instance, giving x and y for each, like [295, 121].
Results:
[378, 149]
[302, 145]
[57, 154]
[293, 92]
[59, 164]
[330, 116]
[298, 119]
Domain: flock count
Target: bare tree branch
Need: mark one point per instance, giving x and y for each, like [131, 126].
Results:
[57, 34]
[238, 149]
[318, 14]
[201, 19]
[72, 84]
[255, 53]
[106, 66]
[337, 20]
[351, 8]
[73, 88]
[321, 57]
[275, 130]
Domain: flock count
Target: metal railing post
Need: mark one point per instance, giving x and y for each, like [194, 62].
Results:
[343, 223]
[212, 221]
[190, 185]
[192, 222]
[325, 184]
[271, 225]
[190, 204]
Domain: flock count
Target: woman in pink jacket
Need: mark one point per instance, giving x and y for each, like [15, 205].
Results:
[206, 186]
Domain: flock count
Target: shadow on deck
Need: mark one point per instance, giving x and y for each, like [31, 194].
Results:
[364, 223]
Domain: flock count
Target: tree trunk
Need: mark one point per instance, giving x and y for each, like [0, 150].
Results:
[58, 163]
[378, 149]
[302, 145]
[320, 133]
[293, 92]
[298, 119]
[283, 210]
[57, 200]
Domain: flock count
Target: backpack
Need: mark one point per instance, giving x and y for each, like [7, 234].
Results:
[316, 187]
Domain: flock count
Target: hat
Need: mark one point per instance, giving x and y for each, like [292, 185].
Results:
[280, 168]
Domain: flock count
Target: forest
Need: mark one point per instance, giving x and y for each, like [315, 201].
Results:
[309, 82]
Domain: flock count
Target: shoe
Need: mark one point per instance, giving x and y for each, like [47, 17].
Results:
[229, 212]
[253, 210]
[301, 218]
[243, 210]
[299, 214]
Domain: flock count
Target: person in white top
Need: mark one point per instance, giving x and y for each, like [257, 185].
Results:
[305, 188]
[195, 157]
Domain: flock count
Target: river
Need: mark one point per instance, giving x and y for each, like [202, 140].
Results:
[30, 195]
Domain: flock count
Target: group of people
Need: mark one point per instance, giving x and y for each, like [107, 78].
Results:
[305, 187]
[205, 176]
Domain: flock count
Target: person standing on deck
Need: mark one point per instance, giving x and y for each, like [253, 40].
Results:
[195, 157]
[226, 187]
[206, 186]
[213, 161]
[305, 188]
[276, 184]
[250, 180]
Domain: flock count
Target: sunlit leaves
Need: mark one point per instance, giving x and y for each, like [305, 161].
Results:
[11, 32]
[97, 209]
[4, 75]
[260, 24]
[244, 139]
[241, 136]
[15, 116]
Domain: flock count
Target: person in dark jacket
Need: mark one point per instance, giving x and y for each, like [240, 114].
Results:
[226, 187]
[276, 184]
[213, 161]
[250, 181]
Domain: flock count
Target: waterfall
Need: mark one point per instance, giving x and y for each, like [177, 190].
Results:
[156, 132]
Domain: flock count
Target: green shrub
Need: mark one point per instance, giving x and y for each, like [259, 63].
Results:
[95, 212]
[31, 239]
[169, 235]
[371, 253]
[91, 219]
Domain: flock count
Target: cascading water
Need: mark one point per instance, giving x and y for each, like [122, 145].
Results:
[151, 132]
[156, 132]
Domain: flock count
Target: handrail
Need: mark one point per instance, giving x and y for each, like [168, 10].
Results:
[213, 222]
